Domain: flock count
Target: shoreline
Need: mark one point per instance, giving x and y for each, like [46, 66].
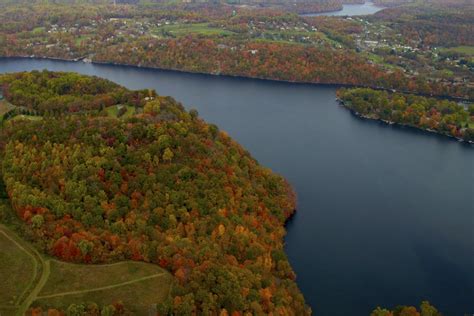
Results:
[319, 13]
[391, 123]
[335, 85]
[324, 13]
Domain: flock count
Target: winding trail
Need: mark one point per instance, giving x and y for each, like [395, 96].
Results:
[39, 279]
[39, 262]
[33, 258]
[39, 286]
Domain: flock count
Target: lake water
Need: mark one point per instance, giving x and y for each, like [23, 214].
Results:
[351, 9]
[385, 214]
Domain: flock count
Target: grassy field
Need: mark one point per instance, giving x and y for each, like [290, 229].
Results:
[23, 270]
[80, 39]
[138, 285]
[27, 117]
[18, 271]
[196, 28]
[37, 30]
[4, 108]
[466, 50]
[378, 60]
[82, 277]
[31, 279]
[114, 110]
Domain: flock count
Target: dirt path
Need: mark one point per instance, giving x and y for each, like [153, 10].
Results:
[39, 286]
[104, 287]
[42, 269]
[38, 261]
[33, 258]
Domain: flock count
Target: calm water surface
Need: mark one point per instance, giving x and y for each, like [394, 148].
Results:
[351, 9]
[385, 215]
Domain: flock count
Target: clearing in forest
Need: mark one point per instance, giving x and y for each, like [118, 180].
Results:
[120, 110]
[5, 107]
[136, 284]
[30, 279]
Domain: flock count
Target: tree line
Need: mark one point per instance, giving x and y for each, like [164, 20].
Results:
[442, 116]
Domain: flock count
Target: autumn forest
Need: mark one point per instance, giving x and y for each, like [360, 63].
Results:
[115, 201]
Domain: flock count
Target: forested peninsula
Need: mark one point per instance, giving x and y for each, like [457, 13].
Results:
[433, 115]
[96, 173]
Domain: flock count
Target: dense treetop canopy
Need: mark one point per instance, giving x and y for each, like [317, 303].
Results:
[442, 116]
[55, 93]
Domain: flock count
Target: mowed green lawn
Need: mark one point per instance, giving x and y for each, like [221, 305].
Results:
[81, 38]
[5, 107]
[114, 111]
[27, 117]
[29, 279]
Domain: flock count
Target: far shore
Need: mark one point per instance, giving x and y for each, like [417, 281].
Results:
[336, 85]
